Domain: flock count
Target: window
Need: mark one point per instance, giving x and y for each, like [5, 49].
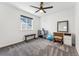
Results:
[26, 22]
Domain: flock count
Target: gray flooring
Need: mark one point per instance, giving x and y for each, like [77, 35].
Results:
[37, 47]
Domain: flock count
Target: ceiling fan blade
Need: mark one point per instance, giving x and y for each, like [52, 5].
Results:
[37, 11]
[48, 7]
[35, 7]
[43, 10]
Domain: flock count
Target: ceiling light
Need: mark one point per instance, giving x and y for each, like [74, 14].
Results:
[41, 11]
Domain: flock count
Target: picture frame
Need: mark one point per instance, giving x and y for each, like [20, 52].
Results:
[62, 26]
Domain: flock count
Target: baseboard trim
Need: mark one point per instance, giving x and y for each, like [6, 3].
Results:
[12, 44]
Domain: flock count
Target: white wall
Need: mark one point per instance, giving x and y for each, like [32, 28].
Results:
[77, 26]
[49, 21]
[10, 26]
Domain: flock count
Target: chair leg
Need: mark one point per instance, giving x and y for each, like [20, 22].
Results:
[62, 42]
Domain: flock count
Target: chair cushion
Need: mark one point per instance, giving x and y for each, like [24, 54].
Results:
[58, 37]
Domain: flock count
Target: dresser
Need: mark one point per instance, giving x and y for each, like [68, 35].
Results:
[67, 39]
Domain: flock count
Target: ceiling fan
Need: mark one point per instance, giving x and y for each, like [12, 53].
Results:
[41, 7]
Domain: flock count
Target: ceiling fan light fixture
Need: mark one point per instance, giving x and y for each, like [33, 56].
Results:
[41, 11]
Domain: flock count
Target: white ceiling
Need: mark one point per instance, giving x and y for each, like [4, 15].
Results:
[57, 6]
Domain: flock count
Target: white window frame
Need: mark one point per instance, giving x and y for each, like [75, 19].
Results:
[25, 24]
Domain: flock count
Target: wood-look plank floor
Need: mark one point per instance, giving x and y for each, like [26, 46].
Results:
[38, 47]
